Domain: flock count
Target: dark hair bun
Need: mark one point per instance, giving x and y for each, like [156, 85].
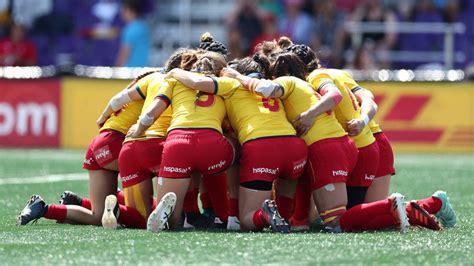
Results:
[209, 44]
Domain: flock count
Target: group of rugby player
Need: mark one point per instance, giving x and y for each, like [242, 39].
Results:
[271, 140]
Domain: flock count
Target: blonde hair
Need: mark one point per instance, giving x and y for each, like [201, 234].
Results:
[209, 63]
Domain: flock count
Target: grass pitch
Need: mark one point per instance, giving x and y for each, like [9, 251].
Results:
[49, 243]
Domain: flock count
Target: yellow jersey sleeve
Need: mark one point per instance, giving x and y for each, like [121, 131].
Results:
[298, 97]
[166, 89]
[348, 108]
[225, 86]
[124, 118]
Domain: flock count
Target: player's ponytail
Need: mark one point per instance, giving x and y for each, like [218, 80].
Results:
[288, 64]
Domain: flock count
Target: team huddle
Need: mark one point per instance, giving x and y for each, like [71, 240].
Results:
[268, 141]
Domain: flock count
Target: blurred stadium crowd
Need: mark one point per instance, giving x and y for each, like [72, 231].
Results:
[92, 32]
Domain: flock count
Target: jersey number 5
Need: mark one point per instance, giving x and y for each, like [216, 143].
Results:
[206, 103]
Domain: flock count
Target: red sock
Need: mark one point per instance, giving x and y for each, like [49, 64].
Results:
[259, 220]
[302, 199]
[131, 218]
[233, 207]
[285, 206]
[217, 188]
[432, 204]
[86, 203]
[155, 202]
[121, 197]
[205, 200]
[190, 201]
[367, 216]
[56, 212]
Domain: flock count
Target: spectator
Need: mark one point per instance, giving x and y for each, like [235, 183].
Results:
[296, 24]
[270, 32]
[364, 59]
[135, 39]
[328, 37]
[373, 11]
[245, 25]
[15, 50]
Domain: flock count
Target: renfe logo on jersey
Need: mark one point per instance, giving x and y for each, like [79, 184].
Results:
[263, 170]
[217, 165]
[339, 173]
[103, 154]
[299, 165]
[29, 113]
[171, 169]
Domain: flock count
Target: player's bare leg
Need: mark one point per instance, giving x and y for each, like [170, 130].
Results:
[250, 201]
[179, 186]
[331, 201]
[379, 189]
[101, 184]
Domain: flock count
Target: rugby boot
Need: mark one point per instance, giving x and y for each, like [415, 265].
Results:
[197, 220]
[111, 213]
[158, 219]
[273, 217]
[399, 212]
[420, 217]
[70, 198]
[447, 215]
[35, 208]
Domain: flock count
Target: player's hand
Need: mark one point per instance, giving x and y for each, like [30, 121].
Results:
[132, 131]
[355, 126]
[101, 121]
[303, 123]
[229, 72]
[170, 74]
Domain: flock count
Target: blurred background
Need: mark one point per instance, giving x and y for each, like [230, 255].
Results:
[62, 60]
[356, 34]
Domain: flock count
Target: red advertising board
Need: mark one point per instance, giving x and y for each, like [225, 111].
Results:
[30, 113]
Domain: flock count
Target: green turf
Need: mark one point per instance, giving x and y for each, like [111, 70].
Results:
[50, 243]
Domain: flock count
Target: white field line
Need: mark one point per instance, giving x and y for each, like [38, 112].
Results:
[43, 179]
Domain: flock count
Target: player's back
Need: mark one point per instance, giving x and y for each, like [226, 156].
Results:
[253, 116]
[297, 98]
[191, 108]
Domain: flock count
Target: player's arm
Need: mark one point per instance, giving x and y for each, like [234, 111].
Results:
[195, 81]
[263, 87]
[128, 95]
[152, 112]
[331, 97]
[368, 110]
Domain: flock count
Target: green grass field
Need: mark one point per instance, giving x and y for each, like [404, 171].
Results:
[49, 243]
